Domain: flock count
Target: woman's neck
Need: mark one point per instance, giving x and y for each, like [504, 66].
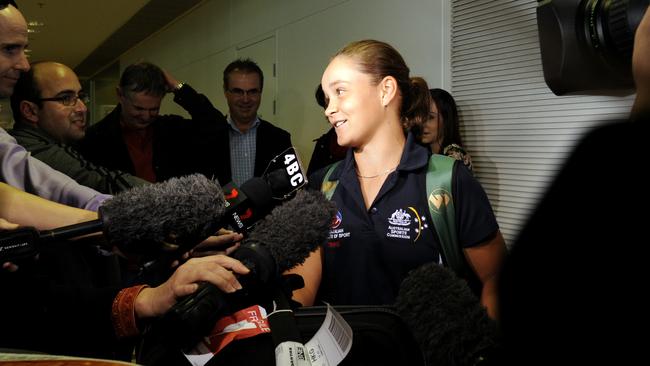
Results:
[436, 147]
[382, 152]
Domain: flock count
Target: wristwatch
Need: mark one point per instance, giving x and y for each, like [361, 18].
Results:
[178, 86]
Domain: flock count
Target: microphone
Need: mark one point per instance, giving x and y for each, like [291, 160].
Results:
[279, 242]
[256, 197]
[287, 341]
[446, 319]
[145, 220]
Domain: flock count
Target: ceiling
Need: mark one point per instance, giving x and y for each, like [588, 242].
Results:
[89, 35]
[73, 28]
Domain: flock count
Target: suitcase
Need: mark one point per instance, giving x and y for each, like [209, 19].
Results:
[380, 338]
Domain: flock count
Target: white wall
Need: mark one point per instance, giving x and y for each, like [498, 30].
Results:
[197, 47]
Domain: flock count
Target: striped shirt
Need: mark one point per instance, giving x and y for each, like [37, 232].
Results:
[242, 151]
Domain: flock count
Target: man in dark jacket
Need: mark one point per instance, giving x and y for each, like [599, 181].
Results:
[250, 142]
[136, 139]
[50, 111]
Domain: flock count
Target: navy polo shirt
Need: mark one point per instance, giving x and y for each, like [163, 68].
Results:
[370, 251]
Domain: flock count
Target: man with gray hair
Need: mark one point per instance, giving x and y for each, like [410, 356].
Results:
[134, 138]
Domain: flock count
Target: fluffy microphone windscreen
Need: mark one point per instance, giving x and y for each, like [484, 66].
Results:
[296, 228]
[182, 210]
[447, 320]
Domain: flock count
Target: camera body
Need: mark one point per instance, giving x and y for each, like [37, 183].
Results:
[586, 45]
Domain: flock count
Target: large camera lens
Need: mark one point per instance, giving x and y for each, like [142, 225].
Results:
[587, 44]
[609, 27]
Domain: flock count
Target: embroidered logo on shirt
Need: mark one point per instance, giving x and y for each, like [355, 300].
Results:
[336, 221]
[405, 225]
[337, 232]
[400, 217]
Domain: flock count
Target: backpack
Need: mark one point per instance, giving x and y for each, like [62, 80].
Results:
[441, 209]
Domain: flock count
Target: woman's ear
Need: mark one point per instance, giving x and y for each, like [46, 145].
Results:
[29, 111]
[388, 87]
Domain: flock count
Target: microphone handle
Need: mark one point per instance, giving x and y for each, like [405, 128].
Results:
[287, 341]
[71, 231]
[282, 322]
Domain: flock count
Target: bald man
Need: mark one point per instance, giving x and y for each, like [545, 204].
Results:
[13, 40]
[17, 167]
[50, 111]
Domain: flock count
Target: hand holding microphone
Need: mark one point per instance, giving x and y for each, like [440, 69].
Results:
[279, 242]
[173, 215]
[219, 270]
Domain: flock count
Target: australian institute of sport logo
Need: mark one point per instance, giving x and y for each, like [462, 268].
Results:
[336, 221]
[337, 232]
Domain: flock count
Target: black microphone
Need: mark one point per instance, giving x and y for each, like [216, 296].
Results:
[287, 341]
[178, 213]
[446, 318]
[256, 197]
[279, 242]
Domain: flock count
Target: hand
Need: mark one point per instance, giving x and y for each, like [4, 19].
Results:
[215, 269]
[172, 83]
[225, 242]
[6, 225]
[9, 267]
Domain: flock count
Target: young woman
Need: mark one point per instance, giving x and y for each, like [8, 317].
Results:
[441, 130]
[382, 229]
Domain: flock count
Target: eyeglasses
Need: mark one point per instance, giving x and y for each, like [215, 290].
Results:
[241, 92]
[5, 3]
[68, 100]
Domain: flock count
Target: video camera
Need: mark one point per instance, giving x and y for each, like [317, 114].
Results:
[586, 45]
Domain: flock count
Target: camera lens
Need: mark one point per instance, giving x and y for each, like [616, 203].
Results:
[608, 28]
[586, 45]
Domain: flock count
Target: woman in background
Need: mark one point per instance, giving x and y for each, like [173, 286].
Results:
[441, 131]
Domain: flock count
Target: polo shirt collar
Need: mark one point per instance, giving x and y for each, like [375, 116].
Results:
[414, 156]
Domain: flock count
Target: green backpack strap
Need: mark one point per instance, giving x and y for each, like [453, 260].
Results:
[328, 187]
[441, 208]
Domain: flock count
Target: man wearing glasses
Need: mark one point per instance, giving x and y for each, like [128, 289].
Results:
[251, 142]
[18, 168]
[49, 110]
